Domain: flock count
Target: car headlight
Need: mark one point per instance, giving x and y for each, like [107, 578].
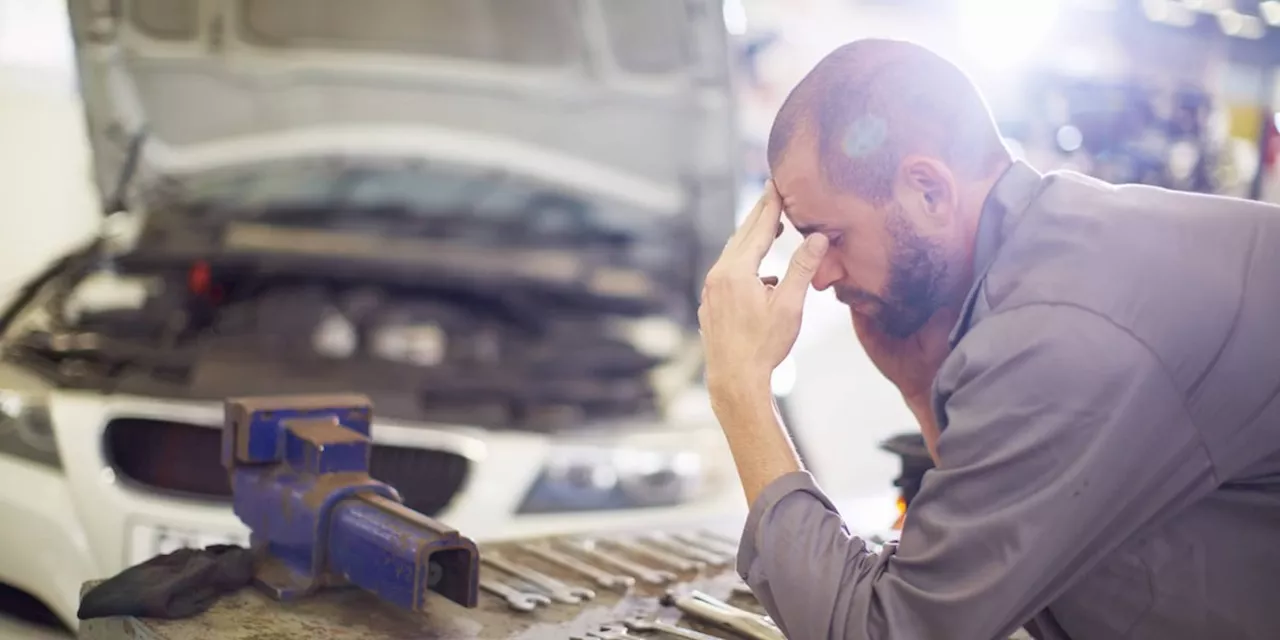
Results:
[26, 430]
[598, 478]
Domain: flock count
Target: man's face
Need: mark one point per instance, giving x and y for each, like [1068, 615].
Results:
[883, 262]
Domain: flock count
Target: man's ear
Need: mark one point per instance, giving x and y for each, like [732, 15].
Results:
[932, 186]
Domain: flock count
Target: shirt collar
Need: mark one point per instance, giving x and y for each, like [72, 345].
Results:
[1008, 199]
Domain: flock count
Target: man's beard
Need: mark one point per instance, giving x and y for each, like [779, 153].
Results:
[917, 274]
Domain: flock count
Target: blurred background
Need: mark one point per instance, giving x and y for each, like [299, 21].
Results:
[492, 216]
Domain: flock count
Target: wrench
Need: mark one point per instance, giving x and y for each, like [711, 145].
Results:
[565, 561]
[668, 560]
[722, 539]
[704, 607]
[516, 599]
[611, 632]
[559, 591]
[647, 574]
[705, 544]
[701, 555]
[741, 589]
[669, 629]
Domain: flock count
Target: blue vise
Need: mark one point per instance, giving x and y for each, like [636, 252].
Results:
[300, 481]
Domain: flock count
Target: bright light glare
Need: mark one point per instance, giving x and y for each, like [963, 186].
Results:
[735, 17]
[1172, 13]
[35, 33]
[1234, 23]
[1270, 12]
[1002, 34]
[1069, 138]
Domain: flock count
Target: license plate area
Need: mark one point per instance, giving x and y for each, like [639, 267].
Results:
[147, 541]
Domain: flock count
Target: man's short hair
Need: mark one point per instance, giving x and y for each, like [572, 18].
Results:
[871, 103]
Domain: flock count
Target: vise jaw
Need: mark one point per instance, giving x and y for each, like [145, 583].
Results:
[300, 481]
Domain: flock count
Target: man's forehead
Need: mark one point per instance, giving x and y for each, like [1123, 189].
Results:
[802, 214]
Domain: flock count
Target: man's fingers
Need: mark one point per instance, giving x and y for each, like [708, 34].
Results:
[804, 264]
[758, 235]
[753, 216]
[764, 217]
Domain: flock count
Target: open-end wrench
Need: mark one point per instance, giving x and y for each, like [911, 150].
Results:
[669, 629]
[705, 544]
[613, 632]
[742, 589]
[708, 609]
[722, 539]
[559, 591]
[516, 599]
[564, 561]
[672, 546]
[664, 558]
[641, 572]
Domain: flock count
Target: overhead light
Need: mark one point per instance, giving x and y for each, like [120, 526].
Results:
[1003, 34]
[1270, 12]
[1069, 138]
[1234, 23]
[735, 17]
[1207, 6]
[1174, 14]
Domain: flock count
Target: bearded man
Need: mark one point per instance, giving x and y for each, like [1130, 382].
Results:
[1095, 369]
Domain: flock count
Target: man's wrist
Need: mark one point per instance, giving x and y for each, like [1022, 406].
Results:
[734, 392]
[922, 399]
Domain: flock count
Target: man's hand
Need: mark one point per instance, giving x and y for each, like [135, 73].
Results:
[749, 326]
[912, 363]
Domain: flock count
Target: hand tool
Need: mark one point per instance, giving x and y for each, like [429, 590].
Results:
[669, 629]
[707, 545]
[612, 632]
[672, 546]
[559, 591]
[516, 599]
[300, 481]
[722, 539]
[647, 574]
[667, 560]
[741, 589]
[603, 578]
[709, 609]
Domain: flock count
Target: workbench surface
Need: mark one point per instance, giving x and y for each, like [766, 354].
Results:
[355, 615]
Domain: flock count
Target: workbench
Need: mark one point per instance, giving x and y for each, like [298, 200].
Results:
[352, 614]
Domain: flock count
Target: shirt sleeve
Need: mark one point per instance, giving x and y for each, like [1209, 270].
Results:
[1064, 435]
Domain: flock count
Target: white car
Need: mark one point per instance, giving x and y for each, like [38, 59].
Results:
[492, 217]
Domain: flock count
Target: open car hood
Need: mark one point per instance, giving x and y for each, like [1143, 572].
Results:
[616, 99]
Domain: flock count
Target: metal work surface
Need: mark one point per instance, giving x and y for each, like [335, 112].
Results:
[352, 614]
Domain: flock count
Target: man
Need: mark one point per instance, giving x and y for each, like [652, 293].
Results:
[1096, 370]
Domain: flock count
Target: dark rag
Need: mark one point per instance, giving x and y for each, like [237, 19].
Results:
[176, 585]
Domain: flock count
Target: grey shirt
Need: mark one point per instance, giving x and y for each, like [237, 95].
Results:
[1110, 448]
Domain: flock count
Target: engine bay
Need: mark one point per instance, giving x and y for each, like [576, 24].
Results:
[501, 357]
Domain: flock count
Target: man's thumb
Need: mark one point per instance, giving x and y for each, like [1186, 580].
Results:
[804, 264]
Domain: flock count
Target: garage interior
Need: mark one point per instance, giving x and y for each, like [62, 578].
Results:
[492, 219]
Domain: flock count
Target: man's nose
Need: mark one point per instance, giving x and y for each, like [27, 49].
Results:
[828, 273]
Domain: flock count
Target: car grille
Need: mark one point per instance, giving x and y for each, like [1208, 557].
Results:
[183, 458]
